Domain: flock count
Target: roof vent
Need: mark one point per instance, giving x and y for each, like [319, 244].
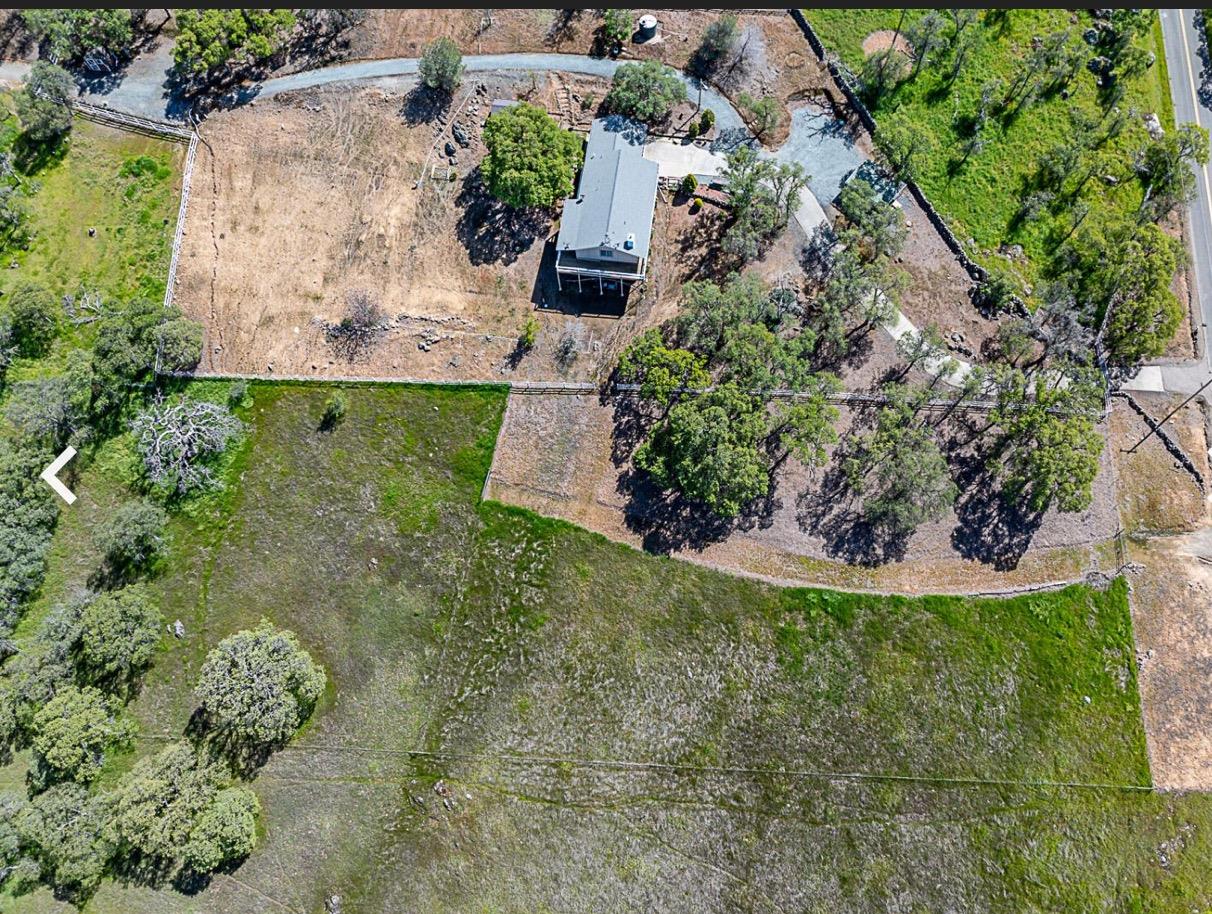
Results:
[630, 242]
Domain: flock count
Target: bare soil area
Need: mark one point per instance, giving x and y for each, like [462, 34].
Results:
[298, 201]
[938, 290]
[1156, 495]
[1171, 577]
[1172, 621]
[564, 456]
[771, 58]
[885, 39]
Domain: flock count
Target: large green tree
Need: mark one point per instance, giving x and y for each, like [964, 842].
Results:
[762, 195]
[158, 802]
[709, 449]
[119, 631]
[898, 469]
[1049, 447]
[77, 34]
[646, 91]
[64, 830]
[531, 161]
[44, 103]
[662, 372]
[209, 40]
[258, 686]
[73, 731]
[225, 830]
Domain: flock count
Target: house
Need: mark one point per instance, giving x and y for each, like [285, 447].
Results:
[606, 229]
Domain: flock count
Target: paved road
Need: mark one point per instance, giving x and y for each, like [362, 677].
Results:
[1183, 45]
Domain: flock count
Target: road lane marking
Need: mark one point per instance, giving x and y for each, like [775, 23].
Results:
[48, 475]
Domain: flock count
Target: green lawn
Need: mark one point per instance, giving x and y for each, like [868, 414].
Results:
[982, 198]
[799, 750]
[125, 186]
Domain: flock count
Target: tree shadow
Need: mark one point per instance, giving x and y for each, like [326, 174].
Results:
[563, 27]
[632, 422]
[667, 522]
[491, 231]
[993, 529]
[32, 156]
[132, 867]
[423, 105]
[244, 757]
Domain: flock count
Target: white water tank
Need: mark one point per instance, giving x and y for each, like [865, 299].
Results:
[648, 27]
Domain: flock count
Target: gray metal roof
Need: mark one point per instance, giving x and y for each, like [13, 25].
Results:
[616, 195]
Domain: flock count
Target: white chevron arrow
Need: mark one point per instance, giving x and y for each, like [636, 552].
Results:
[48, 475]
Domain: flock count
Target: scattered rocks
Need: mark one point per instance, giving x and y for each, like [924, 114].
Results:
[460, 135]
[1013, 251]
[178, 629]
[449, 149]
[1153, 125]
[92, 232]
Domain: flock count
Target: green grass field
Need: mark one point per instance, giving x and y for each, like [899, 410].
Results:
[125, 186]
[525, 717]
[982, 198]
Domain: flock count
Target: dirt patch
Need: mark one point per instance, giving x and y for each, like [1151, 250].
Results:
[770, 56]
[938, 291]
[1156, 495]
[301, 199]
[1172, 620]
[885, 39]
[559, 455]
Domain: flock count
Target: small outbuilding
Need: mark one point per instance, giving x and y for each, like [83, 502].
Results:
[606, 229]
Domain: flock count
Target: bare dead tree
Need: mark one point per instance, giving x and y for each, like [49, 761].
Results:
[85, 309]
[360, 329]
[175, 440]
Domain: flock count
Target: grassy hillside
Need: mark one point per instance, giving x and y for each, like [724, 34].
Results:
[526, 717]
[982, 197]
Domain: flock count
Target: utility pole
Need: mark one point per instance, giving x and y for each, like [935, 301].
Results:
[1158, 425]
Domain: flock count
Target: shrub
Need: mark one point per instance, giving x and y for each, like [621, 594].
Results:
[706, 121]
[647, 91]
[616, 26]
[119, 631]
[530, 333]
[441, 65]
[133, 536]
[689, 185]
[334, 411]
[257, 687]
[35, 319]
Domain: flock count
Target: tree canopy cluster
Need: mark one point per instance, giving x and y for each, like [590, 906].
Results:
[98, 38]
[647, 91]
[211, 40]
[531, 162]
